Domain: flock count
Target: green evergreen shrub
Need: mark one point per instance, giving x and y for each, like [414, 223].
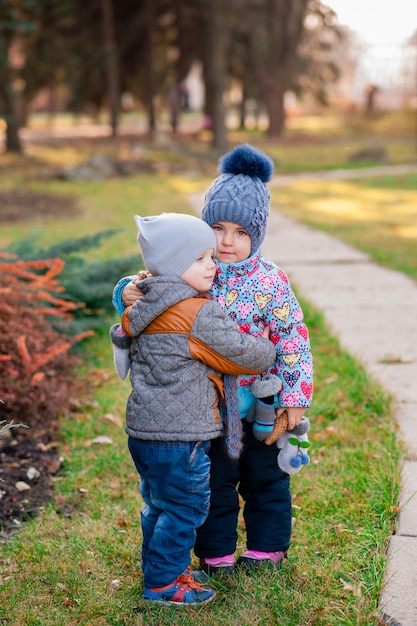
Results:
[85, 281]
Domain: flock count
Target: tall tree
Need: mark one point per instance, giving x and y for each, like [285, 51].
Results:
[149, 46]
[214, 54]
[112, 63]
[274, 39]
[149, 62]
[307, 65]
[66, 54]
[319, 54]
[16, 22]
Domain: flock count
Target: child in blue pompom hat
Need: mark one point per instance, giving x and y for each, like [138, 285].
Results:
[254, 292]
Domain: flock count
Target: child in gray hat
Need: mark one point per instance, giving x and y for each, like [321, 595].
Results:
[180, 342]
[254, 292]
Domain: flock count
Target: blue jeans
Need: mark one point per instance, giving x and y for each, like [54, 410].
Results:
[175, 486]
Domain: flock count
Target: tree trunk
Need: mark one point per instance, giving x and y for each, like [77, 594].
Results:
[149, 73]
[242, 112]
[274, 41]
[112, 69]
[12, 137]
[214, 64]
[12, 119]
[274, 99]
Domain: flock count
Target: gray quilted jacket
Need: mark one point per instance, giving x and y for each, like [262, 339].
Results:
[180, 343]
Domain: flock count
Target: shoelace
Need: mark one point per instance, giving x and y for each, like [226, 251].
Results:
[186, 581]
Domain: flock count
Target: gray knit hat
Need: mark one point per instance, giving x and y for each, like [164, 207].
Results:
[239, 194]
[171, 242]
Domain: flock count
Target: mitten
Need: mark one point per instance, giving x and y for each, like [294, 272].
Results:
[263, 415]
[293, 446]
[121, 350]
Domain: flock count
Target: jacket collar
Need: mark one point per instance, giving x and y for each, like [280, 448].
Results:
[245, 267]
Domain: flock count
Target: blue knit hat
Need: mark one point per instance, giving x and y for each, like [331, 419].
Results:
[239, 194]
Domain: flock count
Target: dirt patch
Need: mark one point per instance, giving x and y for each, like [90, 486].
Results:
[21, 204]
[27, 466]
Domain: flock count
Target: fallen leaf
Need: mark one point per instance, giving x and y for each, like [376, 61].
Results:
[22, 486]
[121, 522]
[324, 434]
[102, 440]
[113, 419]
[354, 588]
[44, 447]
[339, 529]
[115, 584]
[396, 359]
[331, 379]
[99, 377]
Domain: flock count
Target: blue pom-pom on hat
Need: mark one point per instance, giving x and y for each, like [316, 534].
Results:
[248, 161]
[239, 194]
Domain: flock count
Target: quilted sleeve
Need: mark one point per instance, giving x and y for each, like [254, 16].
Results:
[216, 340]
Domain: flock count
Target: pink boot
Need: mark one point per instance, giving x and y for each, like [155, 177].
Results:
[254, 558]
[218, 565]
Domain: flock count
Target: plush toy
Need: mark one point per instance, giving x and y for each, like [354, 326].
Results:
[263, 412]
[292, 444]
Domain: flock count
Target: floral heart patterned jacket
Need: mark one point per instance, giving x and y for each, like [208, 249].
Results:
[255, 293]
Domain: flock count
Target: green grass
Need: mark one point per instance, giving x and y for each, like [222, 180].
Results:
[62, 567]
[376, 215]
[103, 206]
[335, 154]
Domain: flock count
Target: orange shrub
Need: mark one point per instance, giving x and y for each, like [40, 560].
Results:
[35, 360]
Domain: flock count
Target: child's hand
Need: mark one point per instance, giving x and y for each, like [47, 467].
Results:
[295, 413]
[131, 294]
[265, 332]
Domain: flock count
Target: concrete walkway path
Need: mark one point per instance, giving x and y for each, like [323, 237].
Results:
[373, 312]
